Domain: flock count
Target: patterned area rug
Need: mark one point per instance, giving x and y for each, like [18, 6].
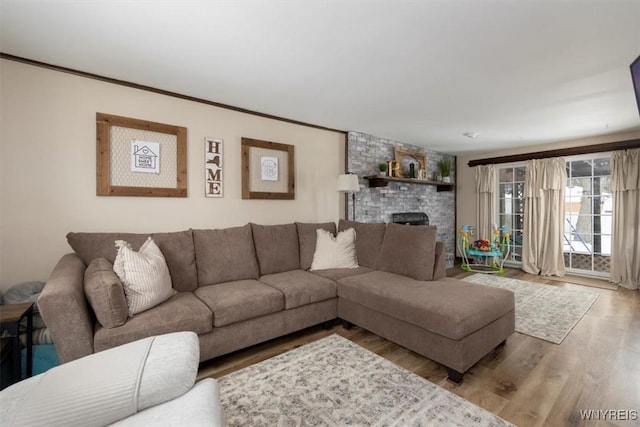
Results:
[334, 382]
[542, 311]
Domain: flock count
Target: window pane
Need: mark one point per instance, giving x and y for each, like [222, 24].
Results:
[605, 244]
[505, 175]
[519, 172]
[601, 263]
[581, 261]
[503, 206]
[580, 186]
[518, 206]
[601, 167]
[581, 168]
[516, 237]
[506, 219]
[519, 190]
[602, 185]
[506, 189]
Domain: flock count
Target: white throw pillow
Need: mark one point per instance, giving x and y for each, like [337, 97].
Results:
[144, 274]
[335, 252]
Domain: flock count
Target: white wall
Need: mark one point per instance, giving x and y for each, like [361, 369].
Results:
[48, 168]
[465, 180]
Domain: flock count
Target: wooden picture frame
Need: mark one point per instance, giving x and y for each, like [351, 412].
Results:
[115, 173]
[403, 156]
[268, 170]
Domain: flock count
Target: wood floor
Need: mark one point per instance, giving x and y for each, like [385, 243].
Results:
[529, 382]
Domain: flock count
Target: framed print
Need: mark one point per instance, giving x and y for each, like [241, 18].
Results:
[140, 158]
[268, 170]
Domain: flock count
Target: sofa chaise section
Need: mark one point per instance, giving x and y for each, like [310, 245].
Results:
[445, 320]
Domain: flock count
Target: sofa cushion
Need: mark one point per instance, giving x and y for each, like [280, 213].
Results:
[144, 275]
[448, 307]
[177, 248]
[105, 293]
[307, 240]
[369, 238]
[301, 287]
[225, 255]
[409, 250]
[276, 247]
[181, 312]
[336, 274]
[233, 302]
[335, 251]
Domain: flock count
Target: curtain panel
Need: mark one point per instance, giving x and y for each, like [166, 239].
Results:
[485, 201]
[543, 230]
[625, 185]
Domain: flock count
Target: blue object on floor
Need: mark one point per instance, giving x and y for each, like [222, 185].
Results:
[45, 357]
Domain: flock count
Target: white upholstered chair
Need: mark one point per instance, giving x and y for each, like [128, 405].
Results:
[150, 382]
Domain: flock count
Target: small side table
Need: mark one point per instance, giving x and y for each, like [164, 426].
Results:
[10, 317]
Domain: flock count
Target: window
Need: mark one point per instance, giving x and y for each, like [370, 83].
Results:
[511, 205]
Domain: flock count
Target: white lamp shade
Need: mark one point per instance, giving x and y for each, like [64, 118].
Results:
[348, 183]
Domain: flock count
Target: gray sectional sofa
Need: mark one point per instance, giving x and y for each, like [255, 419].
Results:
[240, 286]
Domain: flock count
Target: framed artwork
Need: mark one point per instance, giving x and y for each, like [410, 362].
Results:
[268, 170]
[213, 163]
[140, 158]
[406, 158]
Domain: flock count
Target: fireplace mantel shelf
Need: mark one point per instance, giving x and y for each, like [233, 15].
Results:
[383, 181]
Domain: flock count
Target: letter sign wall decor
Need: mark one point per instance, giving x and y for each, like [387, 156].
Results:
[213, 167]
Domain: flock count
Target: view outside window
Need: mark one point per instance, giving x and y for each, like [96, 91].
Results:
[588, 215]
[511, 206]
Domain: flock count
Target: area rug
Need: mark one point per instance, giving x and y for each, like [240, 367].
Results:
[542, 311]
[334, 382]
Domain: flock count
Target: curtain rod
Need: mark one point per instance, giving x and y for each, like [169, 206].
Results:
[573, 151]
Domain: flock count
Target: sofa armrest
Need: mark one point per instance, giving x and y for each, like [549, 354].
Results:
[200, 406]
[440, 267]
[107, 386]
[64, 308]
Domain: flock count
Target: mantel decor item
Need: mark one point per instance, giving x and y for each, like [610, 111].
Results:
[140, 158]
[392, 168]
[268, 170]
[444, 167]
[405, 159]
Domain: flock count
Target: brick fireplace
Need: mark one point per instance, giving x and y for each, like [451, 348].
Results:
[364, 153]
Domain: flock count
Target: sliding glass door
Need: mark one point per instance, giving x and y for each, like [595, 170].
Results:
[588, 212]
[588, 215]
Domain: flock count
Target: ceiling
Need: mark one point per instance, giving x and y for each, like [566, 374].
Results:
[516, 72]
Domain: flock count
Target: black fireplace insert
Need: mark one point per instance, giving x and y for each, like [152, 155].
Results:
[411, 218]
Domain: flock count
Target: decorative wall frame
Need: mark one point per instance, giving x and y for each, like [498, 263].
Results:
[405, 158]
[213, 163]
[125, 147]
[268, 170]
